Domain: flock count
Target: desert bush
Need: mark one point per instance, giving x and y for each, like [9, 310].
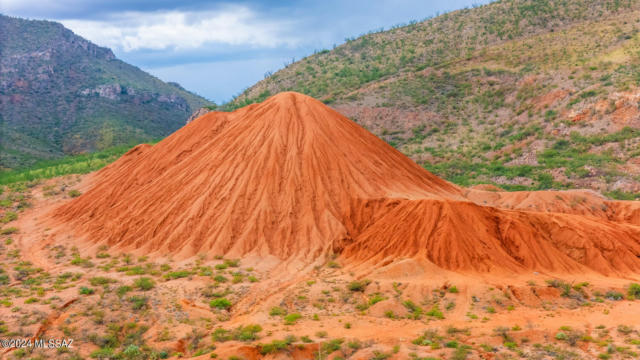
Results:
[177, 274]
[331, 346]
[435, 312]
[277, 311]
[9, 231]
[358, 285]
[139, 302]
[221, 303]
[86, 291]
[247, 333]
[614, 295]
[120, 291]
[144, 283]
[415, 311]
[634, 290]
[274, 346]
[101, 280]
[292, 318]
[564, 287]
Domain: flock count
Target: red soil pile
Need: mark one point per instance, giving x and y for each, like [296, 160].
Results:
[292, 178]
[578, 202]
[467, 237]
[287, 177]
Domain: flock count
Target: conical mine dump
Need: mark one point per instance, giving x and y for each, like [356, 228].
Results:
[292, 179]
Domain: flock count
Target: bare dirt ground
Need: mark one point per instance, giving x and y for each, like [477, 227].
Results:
[125, 305]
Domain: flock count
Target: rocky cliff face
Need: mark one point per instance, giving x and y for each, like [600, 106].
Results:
[61, 94]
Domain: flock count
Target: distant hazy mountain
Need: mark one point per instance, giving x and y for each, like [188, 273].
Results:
[61, 94]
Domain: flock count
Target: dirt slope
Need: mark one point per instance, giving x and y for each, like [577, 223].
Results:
[292, 179]
[466, 237]
[273, 179]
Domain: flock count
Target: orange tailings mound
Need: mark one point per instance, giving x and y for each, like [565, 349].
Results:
[294, 179]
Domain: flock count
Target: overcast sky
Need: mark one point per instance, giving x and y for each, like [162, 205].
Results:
[217, 49]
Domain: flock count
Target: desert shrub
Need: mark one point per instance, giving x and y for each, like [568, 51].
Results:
[461, 352]
[139, 302]
[435, 312]
[9, 231]
[428, 338]
[625, 329]
[292, 318]
[580, 286]
[221, 303]
[358, 285]
[101, 280]
[221, 335]
[220, 278]
[86, 291]
[78, 261]
[247, 333]
[378, 355]
[177, 274]
[104, 353]
[333, 265]
[332, 346]
[634, 290]
[241, 333]
[453, 344]
[74, 193]
[8, 217]
[614, 295]
[274, 346]
[132, 352]
[306, 339]
[120, 291]
[144, 283]
[232, 262]
[135, 270]
[415, 311]
[277, 311]
[564, 287]
[376, 298]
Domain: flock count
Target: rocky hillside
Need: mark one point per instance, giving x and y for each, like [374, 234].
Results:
[519, 93]
[61, 94]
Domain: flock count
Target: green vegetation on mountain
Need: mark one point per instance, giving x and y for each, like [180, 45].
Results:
[60, 94]
[70, 164]
[525, 94]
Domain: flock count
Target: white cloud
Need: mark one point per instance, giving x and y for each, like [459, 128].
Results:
[21, 5]
[180, 30]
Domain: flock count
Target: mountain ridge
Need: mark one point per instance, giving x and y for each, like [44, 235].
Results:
[521, 94]
[62, 94]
